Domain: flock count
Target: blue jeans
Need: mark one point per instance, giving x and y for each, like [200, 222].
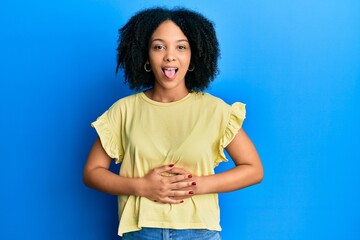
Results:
[172, 234]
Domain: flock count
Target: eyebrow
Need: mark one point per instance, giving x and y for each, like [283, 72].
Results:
[162, 40]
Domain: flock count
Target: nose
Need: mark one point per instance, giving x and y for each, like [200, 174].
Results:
[169, 56]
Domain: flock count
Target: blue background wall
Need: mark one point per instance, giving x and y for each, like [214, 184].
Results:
[295, 63]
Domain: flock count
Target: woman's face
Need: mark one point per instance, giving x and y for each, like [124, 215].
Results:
[169, 56]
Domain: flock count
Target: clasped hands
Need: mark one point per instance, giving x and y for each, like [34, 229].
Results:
[168, 184]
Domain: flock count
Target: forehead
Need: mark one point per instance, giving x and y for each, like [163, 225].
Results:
[168, 31]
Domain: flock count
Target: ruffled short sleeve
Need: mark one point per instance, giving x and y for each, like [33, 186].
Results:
[235, 120]
[108, 128]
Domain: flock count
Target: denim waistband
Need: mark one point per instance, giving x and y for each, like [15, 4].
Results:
[172, 234]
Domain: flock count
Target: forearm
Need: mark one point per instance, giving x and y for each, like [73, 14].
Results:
[106, 181]
[152, 186]
[236, 178]
[248, 170]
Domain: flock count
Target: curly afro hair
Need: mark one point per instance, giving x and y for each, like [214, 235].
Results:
[133, 47]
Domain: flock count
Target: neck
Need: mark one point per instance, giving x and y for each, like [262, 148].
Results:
[166, 96]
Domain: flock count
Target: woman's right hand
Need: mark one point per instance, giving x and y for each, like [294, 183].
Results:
[167, 184]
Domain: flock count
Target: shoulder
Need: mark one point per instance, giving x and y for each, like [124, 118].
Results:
[126, 101]
[122, 106]
[210, 100]
[216, 105]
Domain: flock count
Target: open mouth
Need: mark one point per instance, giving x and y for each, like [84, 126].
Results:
[170, 72]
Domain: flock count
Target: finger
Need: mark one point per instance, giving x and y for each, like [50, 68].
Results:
[178, 178]
[174, 201]
[169, 200]
[181, 185]
[181, 197]
[163, 169]
[176, 197]
[179, 171]
[174, 194]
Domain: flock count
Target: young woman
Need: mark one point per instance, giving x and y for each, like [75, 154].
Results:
[171, 135]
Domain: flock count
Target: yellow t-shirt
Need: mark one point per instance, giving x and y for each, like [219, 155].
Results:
[192, 133]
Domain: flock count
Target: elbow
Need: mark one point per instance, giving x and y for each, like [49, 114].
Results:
[259, 178]
[259, 175]
[86, 178]
[256, 174]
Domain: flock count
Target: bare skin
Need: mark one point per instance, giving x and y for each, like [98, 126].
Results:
[169, 48]
[153, 186]
[175, 189]
[248, 169]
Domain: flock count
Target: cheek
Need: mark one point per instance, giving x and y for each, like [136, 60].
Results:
[186, 59]
[154, 58]
[189, 57]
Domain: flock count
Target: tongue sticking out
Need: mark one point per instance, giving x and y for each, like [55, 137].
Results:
[169, 72]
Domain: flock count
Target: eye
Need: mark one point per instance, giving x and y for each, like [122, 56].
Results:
[181, 47]
[158, 47]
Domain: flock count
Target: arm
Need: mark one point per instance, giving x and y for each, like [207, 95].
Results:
[152, 186]
[248, 169]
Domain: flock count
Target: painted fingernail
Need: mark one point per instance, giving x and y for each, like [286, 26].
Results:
[189, 176]
[155, 201]
[171, 165]
[181, 201]
[191, 192]
[193, 183]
